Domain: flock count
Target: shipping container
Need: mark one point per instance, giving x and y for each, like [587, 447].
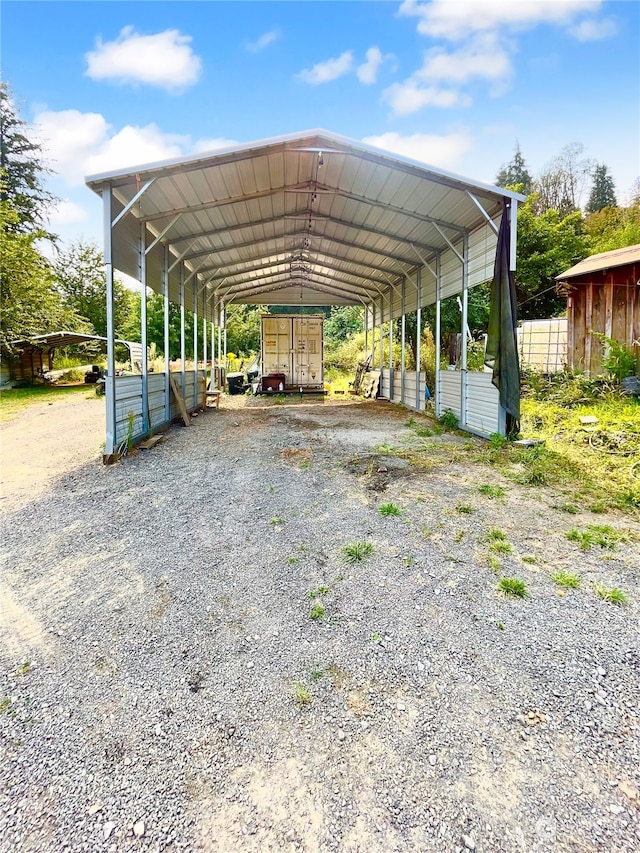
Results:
[292, 345]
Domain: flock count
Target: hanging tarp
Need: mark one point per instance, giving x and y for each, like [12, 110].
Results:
[502, 346]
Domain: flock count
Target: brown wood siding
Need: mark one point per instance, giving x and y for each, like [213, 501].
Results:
[608, 302]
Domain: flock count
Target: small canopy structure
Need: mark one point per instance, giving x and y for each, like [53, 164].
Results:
[36, 353]
[307, 219]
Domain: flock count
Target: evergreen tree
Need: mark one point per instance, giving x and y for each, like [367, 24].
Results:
[22, 169]
[515, 173]
[603, 193]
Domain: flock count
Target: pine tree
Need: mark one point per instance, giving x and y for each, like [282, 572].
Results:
[603, 193]
[21, 169]
[515, 173]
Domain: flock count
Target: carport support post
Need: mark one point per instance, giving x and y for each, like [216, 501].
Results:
[437, 341]
[195, 340]
[205, 337]
[366, 329]
[183, 348]
[144, 367]
[465, 313]
[390, 347]
[213, 354]
[380, 318]
[165, 291]
[403, 338]
[373, 331]
[418, 333]
[219, 347]
[110, 385]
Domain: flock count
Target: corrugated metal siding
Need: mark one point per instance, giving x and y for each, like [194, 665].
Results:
[385, 384]
[129, 399]
[451, 392]
[483, 404]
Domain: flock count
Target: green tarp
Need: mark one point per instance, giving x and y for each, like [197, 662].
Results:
[502, 346]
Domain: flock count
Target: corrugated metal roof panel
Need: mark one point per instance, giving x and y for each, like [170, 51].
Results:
[603, 261]
[253, 204]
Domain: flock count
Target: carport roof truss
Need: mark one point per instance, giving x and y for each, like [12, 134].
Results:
[306, 219]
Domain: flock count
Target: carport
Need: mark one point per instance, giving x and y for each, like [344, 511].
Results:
[307, 219]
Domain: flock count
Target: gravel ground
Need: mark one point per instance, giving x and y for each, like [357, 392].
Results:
[164, 686]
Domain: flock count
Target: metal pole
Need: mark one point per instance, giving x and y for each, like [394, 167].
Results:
[403, 332]
[224, 320]
[213, 354]
[195, 340]
[110, 385]
[366, 329]
[220, 382]
[437, 341]
[465, 312]
[418, 335]
[183, 343]
[165, 290]
[373, 331]
[144, 366]
[380, 333]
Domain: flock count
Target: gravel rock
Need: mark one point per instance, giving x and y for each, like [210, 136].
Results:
[159, 663]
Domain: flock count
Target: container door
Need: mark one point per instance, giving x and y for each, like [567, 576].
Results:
[307, 347]
[276, 346]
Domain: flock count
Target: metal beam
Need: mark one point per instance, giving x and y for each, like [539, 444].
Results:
[209, 205]
[318, 286]
[246, 289]
[229, 229]
[130, 204]
[286, 261]
[344, 223]
[162, 233]
[450, 245]
[483, 211]
[258, 279]
[322, 189]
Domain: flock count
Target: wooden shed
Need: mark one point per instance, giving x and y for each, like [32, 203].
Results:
[603, 295]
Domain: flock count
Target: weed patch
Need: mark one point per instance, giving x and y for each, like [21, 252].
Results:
[357, 552]
[389, 509]
[611, 594]
[601, 535]
[301, 695]
[491, 491]
[513, 587]
[567, 580]
[317, 612]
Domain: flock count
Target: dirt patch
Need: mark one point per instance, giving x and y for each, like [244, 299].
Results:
[47, 440]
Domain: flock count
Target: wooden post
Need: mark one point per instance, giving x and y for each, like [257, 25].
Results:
[588, 318]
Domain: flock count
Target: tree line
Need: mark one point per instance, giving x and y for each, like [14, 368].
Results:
[40, 295]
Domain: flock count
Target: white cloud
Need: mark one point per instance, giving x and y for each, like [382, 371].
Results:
[78, 144]
[164, 59]
[264, 41]
[368, 71]
[442, 151]
[457, 20]
[409, 97]
[481, 57]
[593, 30]
[202, 146]
[66, 213]
[330, 69]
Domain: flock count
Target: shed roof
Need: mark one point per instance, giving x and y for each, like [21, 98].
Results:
[311, 218]
[603, 261]
[56, 340]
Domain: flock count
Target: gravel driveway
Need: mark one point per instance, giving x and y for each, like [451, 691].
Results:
[165, 687]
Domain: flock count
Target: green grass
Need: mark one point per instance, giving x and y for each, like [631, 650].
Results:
[493, 563]
[14, 400]
[464, 509]
[317, 612]
[316, 674]
[276, 520]
[498, 541]
[611, 594]
[292, 560]
[567, 580]
[301, 694]
[491, 491]
[601, 535]
[357, 552]
[318, 591]
[389, 509]
[513, 587]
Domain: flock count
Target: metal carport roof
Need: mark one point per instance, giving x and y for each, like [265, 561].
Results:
[312, 218]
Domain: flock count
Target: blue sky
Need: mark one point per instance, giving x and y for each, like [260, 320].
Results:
[454, 84]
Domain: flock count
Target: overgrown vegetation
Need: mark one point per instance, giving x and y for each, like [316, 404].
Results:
[357, 552]
[513, 587]
[611, 594]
